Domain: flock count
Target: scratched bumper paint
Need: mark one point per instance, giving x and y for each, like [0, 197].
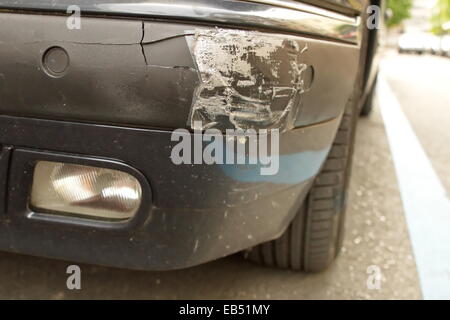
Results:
[248, 79]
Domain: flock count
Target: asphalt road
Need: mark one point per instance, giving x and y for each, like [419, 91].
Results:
[377, 233]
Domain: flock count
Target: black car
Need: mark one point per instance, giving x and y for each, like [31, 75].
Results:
[92, 92]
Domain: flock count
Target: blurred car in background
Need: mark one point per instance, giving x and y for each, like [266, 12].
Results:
[439, 45]
[435, 45]
[413, 42]
[445, 45]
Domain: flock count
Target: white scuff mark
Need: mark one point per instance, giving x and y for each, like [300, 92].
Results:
[246, 83]
[195, 246]
[249, 80]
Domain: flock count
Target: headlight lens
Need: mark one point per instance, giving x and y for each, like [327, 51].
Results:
[84, 190]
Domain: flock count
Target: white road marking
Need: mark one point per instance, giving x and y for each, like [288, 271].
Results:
[426, 205]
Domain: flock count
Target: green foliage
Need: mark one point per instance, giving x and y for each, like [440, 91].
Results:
[400, 10]
[441, 15]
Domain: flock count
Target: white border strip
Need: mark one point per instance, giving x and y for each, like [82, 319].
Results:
[426, 206]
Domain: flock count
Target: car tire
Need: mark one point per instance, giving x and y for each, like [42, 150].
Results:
[366, 109]
[314, 237]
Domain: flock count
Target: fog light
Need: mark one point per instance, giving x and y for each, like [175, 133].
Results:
[84, 190]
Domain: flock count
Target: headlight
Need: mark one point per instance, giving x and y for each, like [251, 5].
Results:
[84, 190]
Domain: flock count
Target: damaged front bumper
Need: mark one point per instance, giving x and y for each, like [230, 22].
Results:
[127, 83]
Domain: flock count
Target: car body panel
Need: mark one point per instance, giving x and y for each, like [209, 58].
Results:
[296, 17]
[113, 63]
[124, 92]
[222, 208]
